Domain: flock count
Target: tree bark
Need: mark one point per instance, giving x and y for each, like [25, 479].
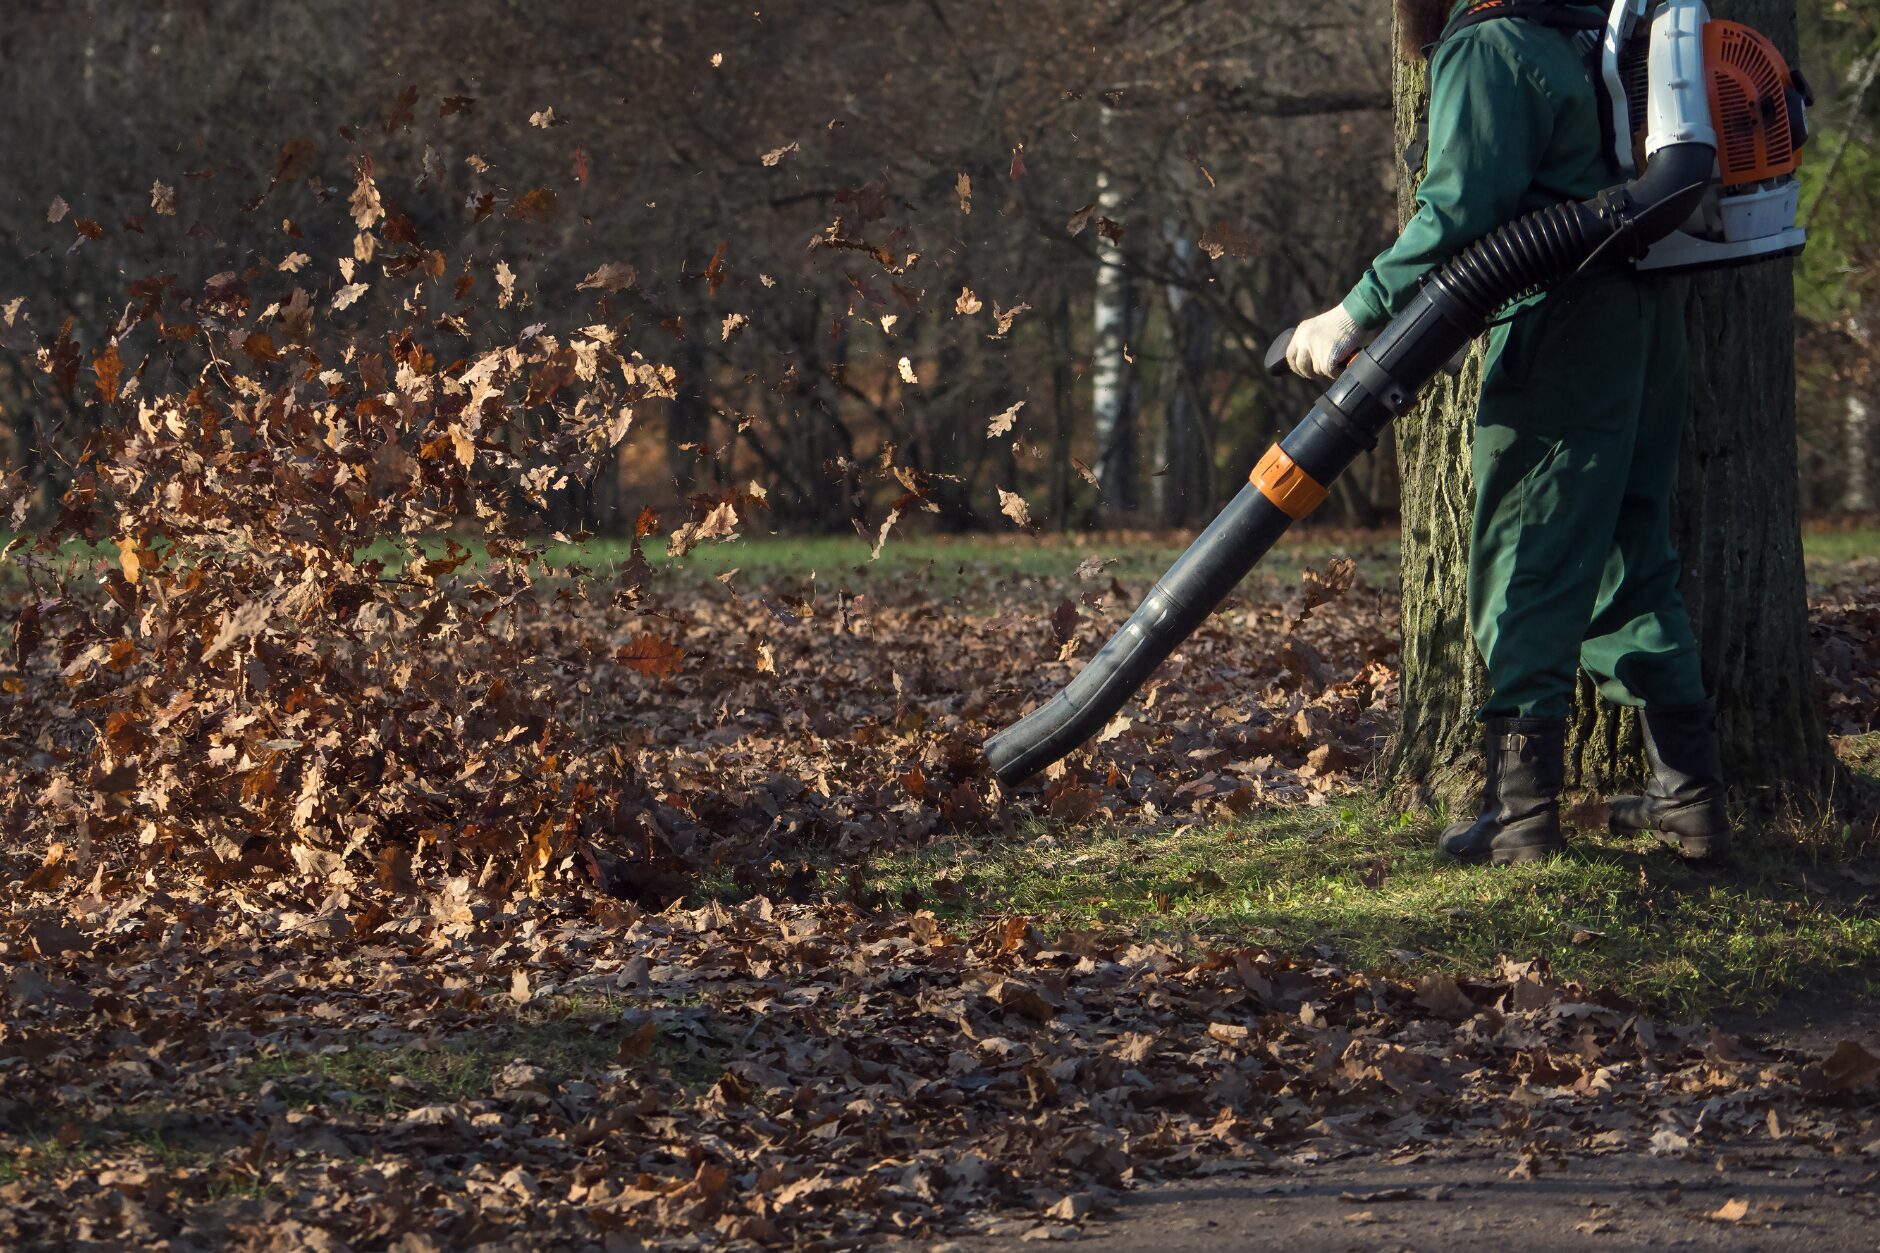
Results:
[1436, 754]
[1737, 522]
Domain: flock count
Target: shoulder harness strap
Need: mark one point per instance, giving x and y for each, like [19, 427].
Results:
[1559, 14]
[1562, 15]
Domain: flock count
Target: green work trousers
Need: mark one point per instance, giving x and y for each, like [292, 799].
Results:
[1571, 561]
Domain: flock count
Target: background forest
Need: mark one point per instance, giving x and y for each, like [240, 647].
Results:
[1099, 212]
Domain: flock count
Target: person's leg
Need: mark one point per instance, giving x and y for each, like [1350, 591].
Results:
[1640, 648]
[1554, 436]
[1555, 440]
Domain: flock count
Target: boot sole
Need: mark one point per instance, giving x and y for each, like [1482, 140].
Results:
[1519, 854]
[1694, 849]
[1691, 848]
[1524, 854]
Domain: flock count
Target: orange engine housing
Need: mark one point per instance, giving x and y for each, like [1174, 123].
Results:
[1749, 86]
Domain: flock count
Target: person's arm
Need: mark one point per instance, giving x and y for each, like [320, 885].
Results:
[1490, 125]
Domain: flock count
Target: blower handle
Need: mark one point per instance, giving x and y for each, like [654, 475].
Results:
[1276, 355]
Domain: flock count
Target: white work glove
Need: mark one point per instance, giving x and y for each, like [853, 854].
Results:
[1322, 346]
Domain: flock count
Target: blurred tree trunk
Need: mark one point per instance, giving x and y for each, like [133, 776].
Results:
[1857, 495]
[1185, 492]
[1737, 522]
[1857, 489]
[1114, 390]
[688, 417]
[1063, 407]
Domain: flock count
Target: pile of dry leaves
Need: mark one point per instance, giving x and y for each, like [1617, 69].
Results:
[236, 1070]
[364, 727]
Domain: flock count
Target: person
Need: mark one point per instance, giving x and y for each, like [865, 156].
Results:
[1582, 406]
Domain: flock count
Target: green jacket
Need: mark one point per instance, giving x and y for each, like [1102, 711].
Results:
[1514, 127]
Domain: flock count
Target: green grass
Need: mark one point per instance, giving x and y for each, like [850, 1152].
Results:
[1825, 549]
[167, 1137]
[953, 565]
[567, 1037]
[1367, 883]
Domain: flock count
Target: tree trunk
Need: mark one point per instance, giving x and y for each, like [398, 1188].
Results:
[688, 415]
[1063, 408]
[1185, 491]
[1857, 492]
[1113, 385]
[1857, 495]
[1436, 755]
[1737, 520]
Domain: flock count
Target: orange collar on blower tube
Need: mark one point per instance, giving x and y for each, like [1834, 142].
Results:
[1281, 481]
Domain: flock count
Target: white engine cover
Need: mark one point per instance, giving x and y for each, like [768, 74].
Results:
[1726, 229]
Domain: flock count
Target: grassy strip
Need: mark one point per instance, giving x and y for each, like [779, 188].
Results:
[567, 1037]
[1787, 915]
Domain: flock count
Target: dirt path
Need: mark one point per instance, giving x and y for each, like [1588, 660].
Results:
[1802, 1200]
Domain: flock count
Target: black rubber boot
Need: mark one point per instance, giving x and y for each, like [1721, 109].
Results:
[1683, 803]
[1520, 818]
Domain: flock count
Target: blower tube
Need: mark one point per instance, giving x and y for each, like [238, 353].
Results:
[1454, 305]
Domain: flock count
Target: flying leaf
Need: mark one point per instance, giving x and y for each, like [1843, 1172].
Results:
[963, 187]
[1225, 239]
[56, 211]
[1002, 423]
[967, 304]
[1013, 506]
[651, 656]
[1064, 621]
[163, 199]
[367, 209]
[1006, 317]
[907, 371]
[109, 367]
[775, 156]
[532, 206]
[612, 277]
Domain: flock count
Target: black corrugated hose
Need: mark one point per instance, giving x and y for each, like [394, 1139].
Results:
[1532, 254]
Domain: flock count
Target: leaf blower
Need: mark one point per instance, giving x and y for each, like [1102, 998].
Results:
[1709, 121]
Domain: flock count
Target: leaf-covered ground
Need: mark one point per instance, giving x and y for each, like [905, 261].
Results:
[235, 1072]
[755, 1031]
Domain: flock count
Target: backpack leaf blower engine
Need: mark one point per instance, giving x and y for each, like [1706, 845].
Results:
[1707, 120]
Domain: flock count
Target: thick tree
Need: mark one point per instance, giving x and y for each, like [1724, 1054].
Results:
[1737, 521]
